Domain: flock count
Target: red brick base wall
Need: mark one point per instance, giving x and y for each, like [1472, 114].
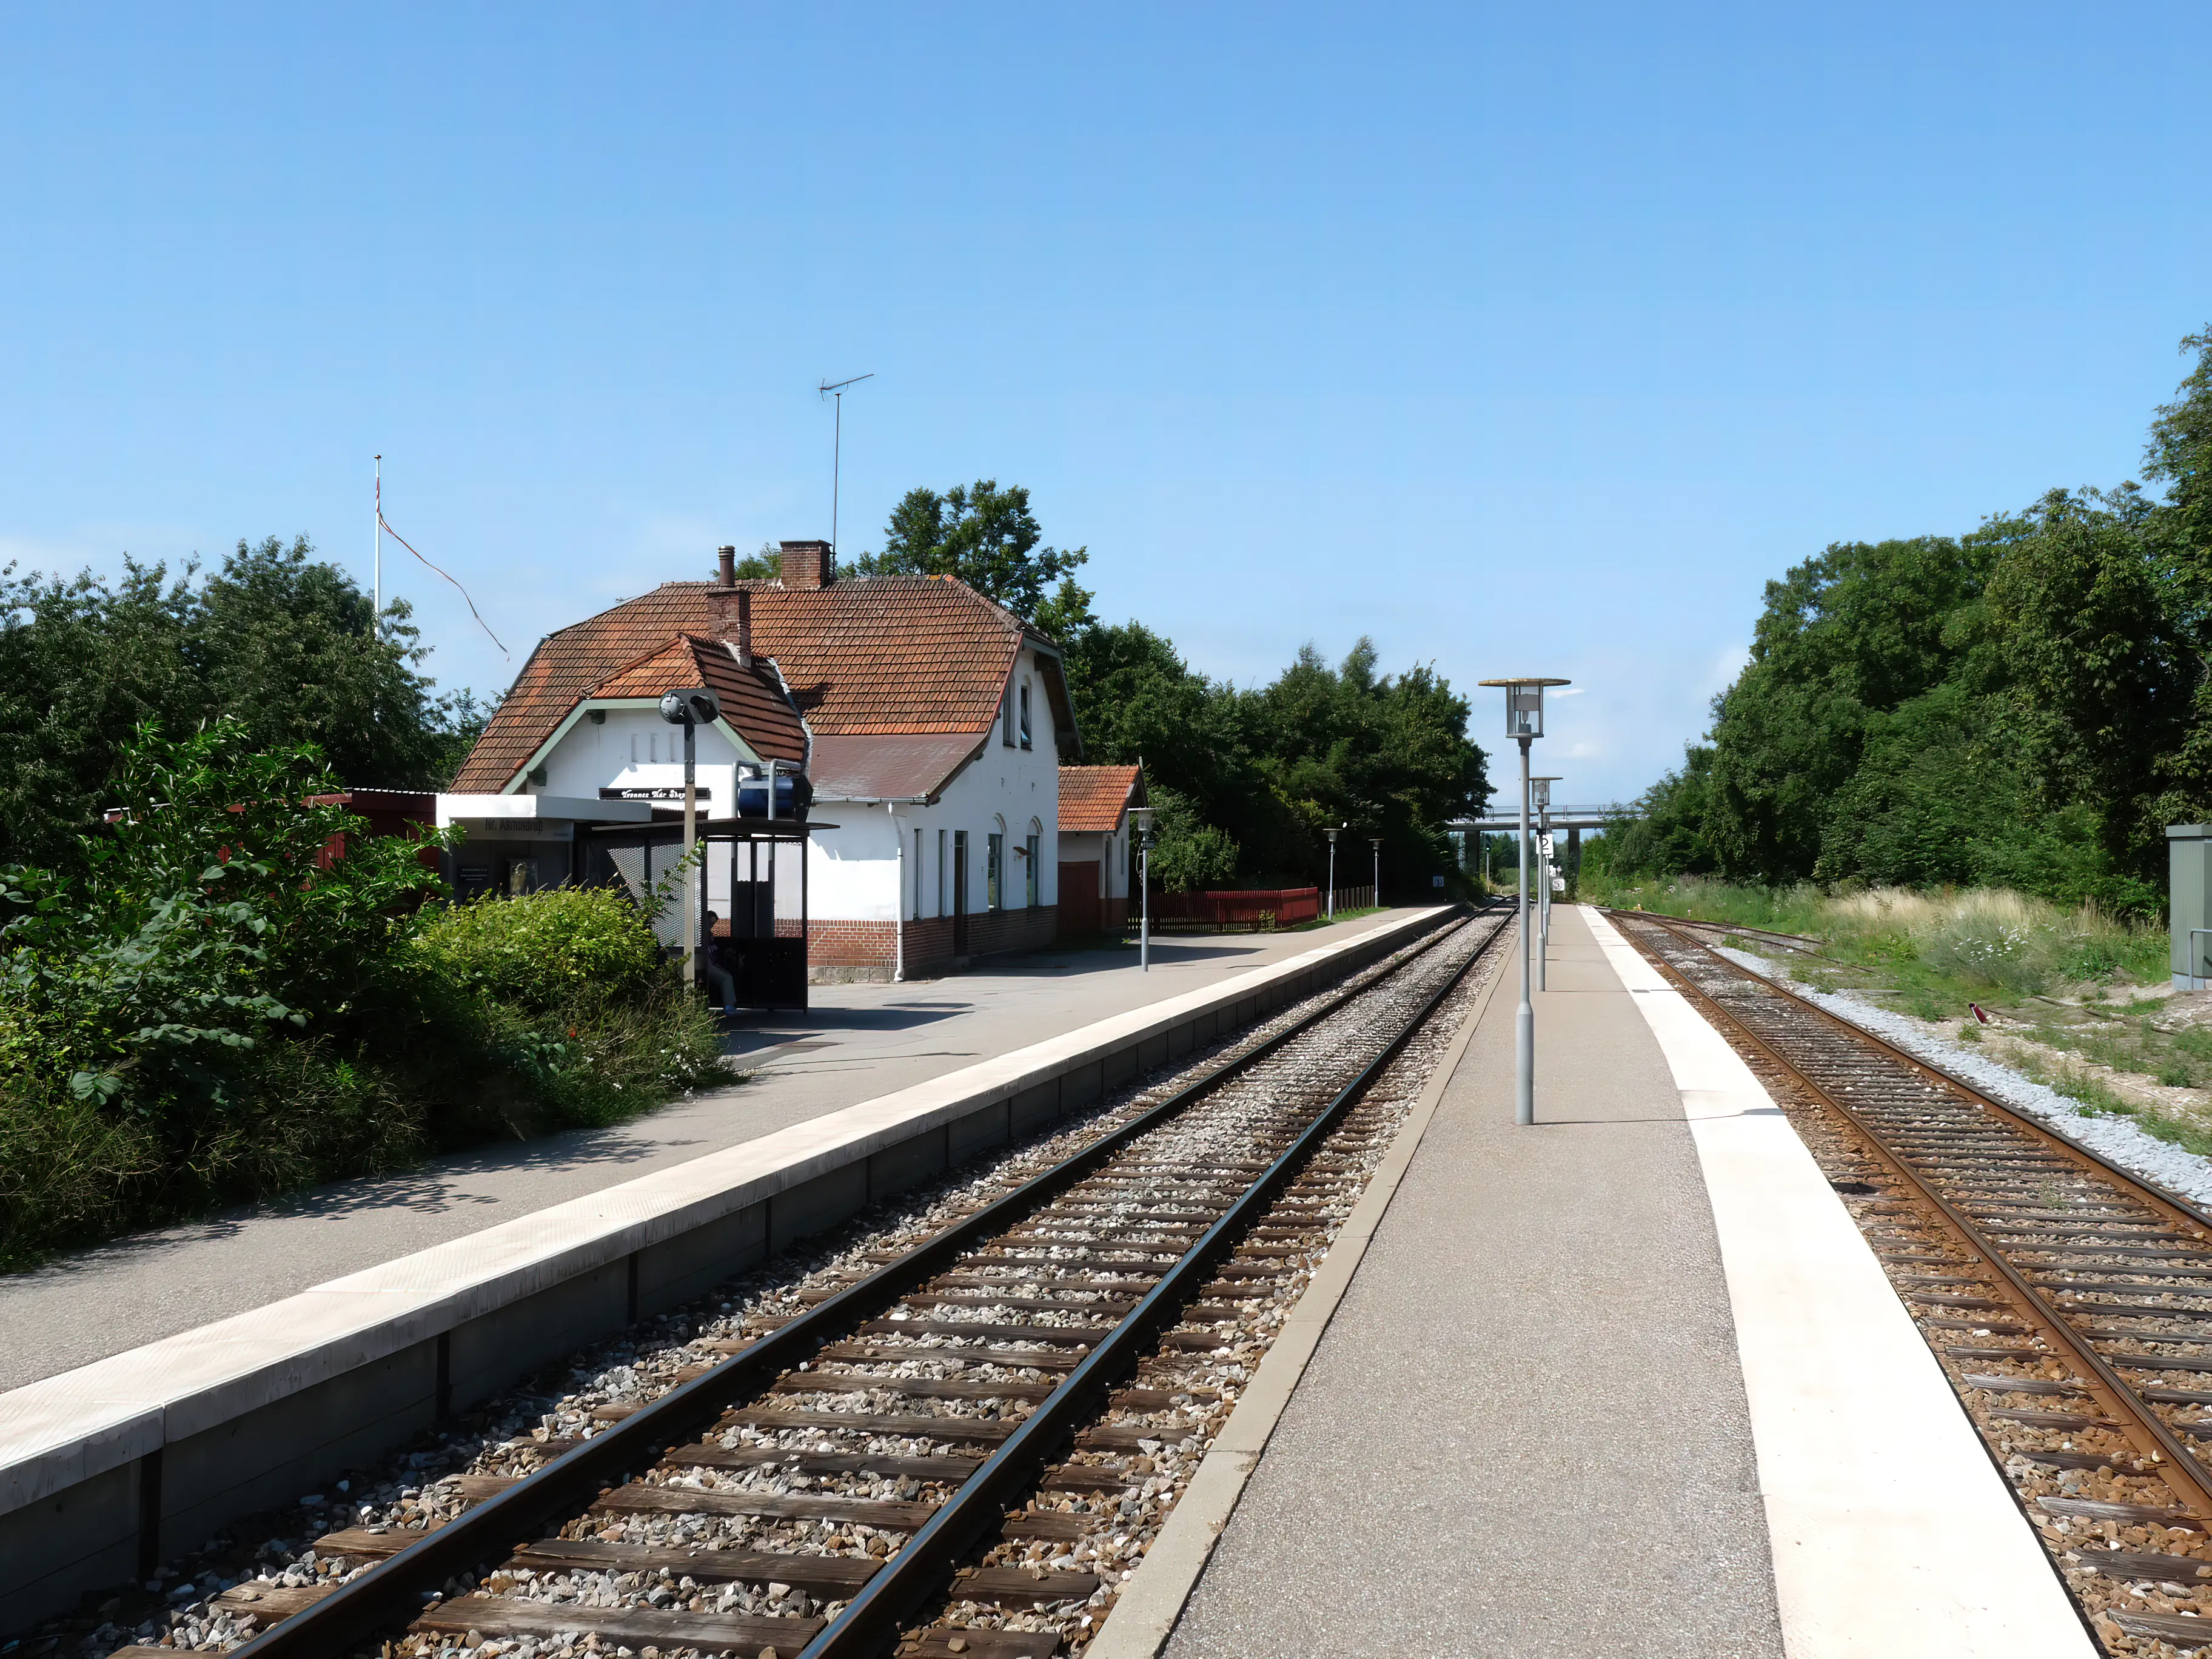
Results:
[848, 944]
[1036, 928]
[833, 943]
[928, 943]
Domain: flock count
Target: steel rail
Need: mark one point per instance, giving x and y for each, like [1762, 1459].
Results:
[2177, 1208]
[1797, 942]
[392, 1593]
[872, 1621]
[2182, 1469]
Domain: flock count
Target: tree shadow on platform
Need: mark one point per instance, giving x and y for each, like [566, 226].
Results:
[429, 1189]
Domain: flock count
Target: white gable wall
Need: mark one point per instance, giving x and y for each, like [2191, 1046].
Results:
[636, 748]
[857, 872]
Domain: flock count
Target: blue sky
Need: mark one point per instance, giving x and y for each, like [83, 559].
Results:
[1524, 339]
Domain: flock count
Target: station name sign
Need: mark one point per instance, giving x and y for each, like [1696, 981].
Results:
[656, 792]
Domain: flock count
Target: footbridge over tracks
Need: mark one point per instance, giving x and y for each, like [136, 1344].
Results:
[1556, 817]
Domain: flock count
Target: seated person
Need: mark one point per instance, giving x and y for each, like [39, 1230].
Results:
[720, 958]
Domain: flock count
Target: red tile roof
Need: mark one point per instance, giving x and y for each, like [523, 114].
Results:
[1092, 798]
[893, 655]
[752, 700]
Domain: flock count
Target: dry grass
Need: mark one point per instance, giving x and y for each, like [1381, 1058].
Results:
[2002, 938]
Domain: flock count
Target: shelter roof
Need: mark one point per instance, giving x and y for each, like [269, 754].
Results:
[860, 767]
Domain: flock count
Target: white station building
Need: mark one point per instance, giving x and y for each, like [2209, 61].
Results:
[929, 722]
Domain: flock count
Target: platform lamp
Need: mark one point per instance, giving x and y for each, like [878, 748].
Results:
[1332, 832]
[692, 709]
[1140, 821]
[1378, 891]
[1540, 803]
[1525, 724]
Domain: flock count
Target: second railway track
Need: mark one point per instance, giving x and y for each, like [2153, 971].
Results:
[2068, 1300]
[943, 1452]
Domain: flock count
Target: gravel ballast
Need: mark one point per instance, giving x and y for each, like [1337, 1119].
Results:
[2126, 1144]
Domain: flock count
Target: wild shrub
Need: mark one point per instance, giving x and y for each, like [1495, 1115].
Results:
[231, 904]
[236, 992]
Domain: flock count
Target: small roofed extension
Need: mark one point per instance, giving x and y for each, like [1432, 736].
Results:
[1094, 846]
[930, 721]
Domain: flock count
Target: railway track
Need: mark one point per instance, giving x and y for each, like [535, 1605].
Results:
[1797, 942]
[940, 1454]
[2068, 1300]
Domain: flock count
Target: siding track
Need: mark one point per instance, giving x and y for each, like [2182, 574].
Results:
[2068, 1300]
[937, 1448]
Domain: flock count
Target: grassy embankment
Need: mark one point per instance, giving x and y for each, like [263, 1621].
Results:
[2078, 1000]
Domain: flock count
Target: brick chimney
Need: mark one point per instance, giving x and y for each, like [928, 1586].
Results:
[745, 628]
[726, 561]
[808, 564]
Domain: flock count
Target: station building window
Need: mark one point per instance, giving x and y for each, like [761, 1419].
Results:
[995, 867]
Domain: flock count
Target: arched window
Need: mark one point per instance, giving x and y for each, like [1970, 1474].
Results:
[1034, 882]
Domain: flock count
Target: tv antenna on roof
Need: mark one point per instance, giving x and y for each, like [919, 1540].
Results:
[836, 389]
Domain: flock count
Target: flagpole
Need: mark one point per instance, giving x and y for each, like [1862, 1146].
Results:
[376, 530]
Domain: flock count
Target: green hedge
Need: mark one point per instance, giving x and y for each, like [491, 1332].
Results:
[544, 952]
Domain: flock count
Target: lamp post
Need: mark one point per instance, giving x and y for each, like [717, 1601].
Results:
[1540, 802]
[690, 709]
[1376, 893]
[1525, 724]
[1332, 832]
[1141, 820]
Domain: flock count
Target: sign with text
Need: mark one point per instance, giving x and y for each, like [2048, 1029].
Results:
[657, 792]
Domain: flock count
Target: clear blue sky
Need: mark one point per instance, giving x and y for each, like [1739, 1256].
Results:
[1310, 323]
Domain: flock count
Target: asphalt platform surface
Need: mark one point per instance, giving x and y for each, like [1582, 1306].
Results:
[1525, 1431]
[855, 1043]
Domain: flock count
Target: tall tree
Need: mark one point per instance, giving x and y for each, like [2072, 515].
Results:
[988, 538]
[82, 662]
[285, 646]
[1388, 755]
[276, 639]
[2025, 704]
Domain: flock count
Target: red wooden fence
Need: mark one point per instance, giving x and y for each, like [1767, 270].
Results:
[1283, 907]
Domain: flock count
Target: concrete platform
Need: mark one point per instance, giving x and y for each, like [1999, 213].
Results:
[108, 1467]
[857, 1042]
[1627, 1381]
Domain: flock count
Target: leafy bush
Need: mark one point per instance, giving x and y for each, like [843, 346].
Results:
[1191, 855]
[236, 992]
[233, 902]
[545, 951]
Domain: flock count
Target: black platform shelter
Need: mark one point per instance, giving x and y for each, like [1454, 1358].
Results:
[768, 949]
